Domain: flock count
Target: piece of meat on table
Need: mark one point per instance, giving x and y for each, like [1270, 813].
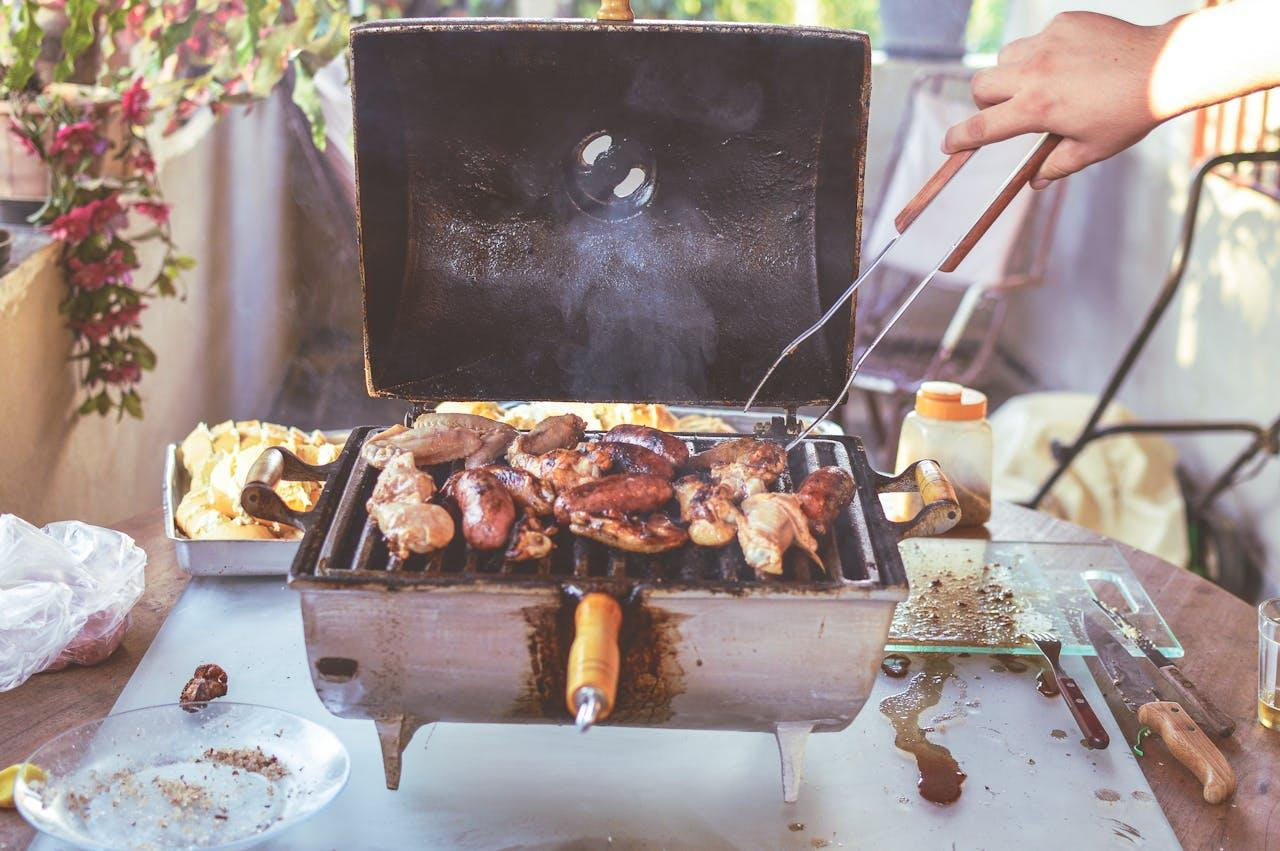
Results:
[655, 440]
[485, 506]
[208, 682]
[531, 541]
[747, 465]
[529, 492]
[653, 534]
[774, 523]
[628, 493]
[709, 509]
[824, 494]
[413, 527]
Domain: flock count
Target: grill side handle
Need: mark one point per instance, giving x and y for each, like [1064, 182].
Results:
[941, 510]
[258, 497]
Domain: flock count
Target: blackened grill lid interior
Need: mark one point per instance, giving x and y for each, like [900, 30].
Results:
[638, 212]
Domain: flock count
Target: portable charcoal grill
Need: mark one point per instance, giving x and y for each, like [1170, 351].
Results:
[508, 252]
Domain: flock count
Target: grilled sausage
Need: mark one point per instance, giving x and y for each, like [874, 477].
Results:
[487, 509]
[653, 534]
[614, 495]
[667, 445]
[634, 458]
[825, 493]
[529, 492]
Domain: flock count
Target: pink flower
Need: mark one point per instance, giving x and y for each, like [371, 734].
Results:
[112, 269]
[125, 317]
[143, 162]
[158, 213]
[126, 373]
[73, 142]
[101, 215]
[25, 141]
[94, 329]
[133, 103]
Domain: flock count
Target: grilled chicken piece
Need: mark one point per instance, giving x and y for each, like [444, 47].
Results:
[653, 534]
[418, 527]
[563, 469]
[667, 445]
[634, 458]
[529, 492]
[773, 523]
[709, 510]
[825, 493]
[485, 506]
[562, 432]
[532, 540]
[747, 466]
[402, 481]
[428, 447]
[614, 495]
[494, 436]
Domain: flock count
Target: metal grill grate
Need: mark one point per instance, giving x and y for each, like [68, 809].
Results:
[354, 547]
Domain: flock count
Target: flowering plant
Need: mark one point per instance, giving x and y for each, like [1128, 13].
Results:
[160, 62]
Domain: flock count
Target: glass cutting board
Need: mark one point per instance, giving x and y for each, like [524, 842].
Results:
[982, 596]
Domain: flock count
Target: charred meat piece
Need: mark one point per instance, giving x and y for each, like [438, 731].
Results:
[561, 432]
[532, 540]
[563, 469]
[529, 492]
[653, 534]
[427, 447]
[494, 436]
[746, 466]
[413, 527]
[655, 440]
[825, 493]
[208, 681]
[773, 523]
[709, 510]
[614, 495]
[634, 458]
[402, 481]
[486, 508]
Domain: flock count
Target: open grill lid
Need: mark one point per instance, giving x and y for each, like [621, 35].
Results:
[606, 212]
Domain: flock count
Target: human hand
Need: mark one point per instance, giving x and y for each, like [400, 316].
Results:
[1087, 77]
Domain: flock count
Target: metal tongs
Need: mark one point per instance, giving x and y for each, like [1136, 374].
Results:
[959, 250]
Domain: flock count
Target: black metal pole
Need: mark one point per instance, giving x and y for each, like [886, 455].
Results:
[1173, 281]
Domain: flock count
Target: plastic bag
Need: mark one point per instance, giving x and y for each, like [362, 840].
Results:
[65, 593]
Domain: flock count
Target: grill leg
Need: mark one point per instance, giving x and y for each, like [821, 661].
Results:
[792, 737]
[394, 733]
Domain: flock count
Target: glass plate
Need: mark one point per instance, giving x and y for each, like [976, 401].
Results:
[212, 775]
[982, 596]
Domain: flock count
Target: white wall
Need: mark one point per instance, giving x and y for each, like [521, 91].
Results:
[221, 350]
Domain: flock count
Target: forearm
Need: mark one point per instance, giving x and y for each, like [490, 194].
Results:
[1216, 54]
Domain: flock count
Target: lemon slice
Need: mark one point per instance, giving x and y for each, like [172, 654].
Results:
[9, 779]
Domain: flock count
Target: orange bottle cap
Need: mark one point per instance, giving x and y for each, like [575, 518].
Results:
[946, 400]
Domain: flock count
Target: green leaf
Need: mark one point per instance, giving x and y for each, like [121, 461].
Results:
[132, 404]
[87, 406]
[142, 353]
[25, 40]
[248, 43]
[177, 34]
[307, 97]
[164, 285]
[103, 403]
[78, 35]
[184, 262]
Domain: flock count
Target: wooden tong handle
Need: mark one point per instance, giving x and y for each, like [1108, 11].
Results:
[1010, 189]
[1191, 747]
[594, 658]
[931, 188]
[1095, 733]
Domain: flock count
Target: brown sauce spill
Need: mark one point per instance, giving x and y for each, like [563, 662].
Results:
[1058, 734]
[896, 665]
[650, 677]
[1108, 795]
[940, 774]
[795, 826]
[1012, 662]
[1047, 683]
[1139, 795]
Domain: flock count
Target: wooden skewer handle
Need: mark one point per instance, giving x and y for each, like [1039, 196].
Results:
[931, 188]
[1011, 188]
[1191, 747]
[594, 658]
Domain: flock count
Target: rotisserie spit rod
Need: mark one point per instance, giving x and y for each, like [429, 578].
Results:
[594, 660]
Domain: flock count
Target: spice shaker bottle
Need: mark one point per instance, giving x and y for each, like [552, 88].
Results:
[949, 425]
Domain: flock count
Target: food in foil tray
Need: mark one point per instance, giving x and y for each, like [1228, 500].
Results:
[218, 459]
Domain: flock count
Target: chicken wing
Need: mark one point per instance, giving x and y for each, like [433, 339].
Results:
[561, 432]
[825, 493]
[747, 466]
[428, 447]
[774, 522]
[494, 436]
[653, 534]
[709, 510]
[529, 492]
[402, 481]
[532, 540]
[419, 527]
[563, 469]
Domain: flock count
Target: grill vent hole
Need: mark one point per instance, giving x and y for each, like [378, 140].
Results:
[336, 669]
